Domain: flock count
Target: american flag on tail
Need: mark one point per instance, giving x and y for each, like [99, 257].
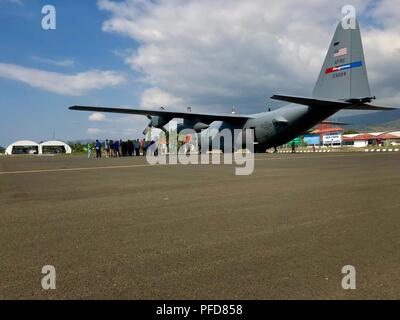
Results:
[340, 52]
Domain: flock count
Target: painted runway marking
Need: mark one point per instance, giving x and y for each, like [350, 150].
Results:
[158, 165]
[73, 169]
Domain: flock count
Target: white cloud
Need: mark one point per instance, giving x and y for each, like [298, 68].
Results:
[155, 97]
[225, 52]
[93, 131]
[98, 117]
[65, 84]
[18, 2]
[58, 63]
[125, 127]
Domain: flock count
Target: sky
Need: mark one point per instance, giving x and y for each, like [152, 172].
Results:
[207, 54]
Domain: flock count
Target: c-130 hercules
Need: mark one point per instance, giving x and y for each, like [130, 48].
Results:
[342, 84]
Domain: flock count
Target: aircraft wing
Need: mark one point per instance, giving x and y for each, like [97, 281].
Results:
[204, 117]
[334, 123]
[354, 104]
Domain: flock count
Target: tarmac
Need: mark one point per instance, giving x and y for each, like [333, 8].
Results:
[122, 229]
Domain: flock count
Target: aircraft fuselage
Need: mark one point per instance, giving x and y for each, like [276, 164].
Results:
[274, 128]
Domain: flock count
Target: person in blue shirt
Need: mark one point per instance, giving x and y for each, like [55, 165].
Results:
[116, 149]
[137, 147]
[98, 149]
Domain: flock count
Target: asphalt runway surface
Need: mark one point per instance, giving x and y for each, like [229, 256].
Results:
[121, 229]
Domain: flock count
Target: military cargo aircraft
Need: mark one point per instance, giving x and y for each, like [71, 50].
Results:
[342, 84]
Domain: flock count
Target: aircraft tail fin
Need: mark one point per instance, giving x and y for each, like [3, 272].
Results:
[344, 73]
[343, 81]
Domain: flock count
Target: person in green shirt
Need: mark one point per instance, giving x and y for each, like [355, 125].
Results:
[89, 150]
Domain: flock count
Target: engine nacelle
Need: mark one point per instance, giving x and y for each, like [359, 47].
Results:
[158, 121]
[200, 126]
[196, 126]
[181, 127]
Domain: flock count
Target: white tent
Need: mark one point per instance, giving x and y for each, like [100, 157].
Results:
[35, 148]
[50, 144]
[29, 145]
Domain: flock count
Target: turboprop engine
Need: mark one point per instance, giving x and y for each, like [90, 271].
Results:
[156, 122]
[200, 126]
[197, 126]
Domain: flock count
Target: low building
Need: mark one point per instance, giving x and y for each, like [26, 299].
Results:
[392, 137]
[312, 139]
[362, 140]
[329, 136]
[54, 147]
[332, 139]
[31, 147]
[23, 147]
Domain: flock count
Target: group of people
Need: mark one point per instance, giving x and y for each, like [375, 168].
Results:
[117, 148]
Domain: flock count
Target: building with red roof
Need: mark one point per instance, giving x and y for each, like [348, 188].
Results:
[374, 138]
